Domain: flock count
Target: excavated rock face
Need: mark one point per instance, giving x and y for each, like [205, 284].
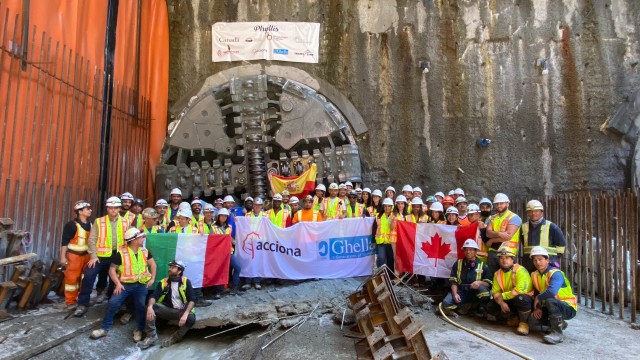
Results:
[537, 78]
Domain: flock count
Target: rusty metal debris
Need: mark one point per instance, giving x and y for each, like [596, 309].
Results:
[388, 331]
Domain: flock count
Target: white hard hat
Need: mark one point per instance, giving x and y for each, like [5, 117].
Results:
[308, 197]
[417, 189]
[162, 202]
[376, 192]
[218, 201]
[184, 205]
[126, 196]
[401, 198]
[387, 201]
[223, 211]
[452, 210]
[473, 209]
[294, 200]
[249, 198]
[470, 243]
[458, 191]
[258, 201]
[277, 197]
[132, 234]
[500, 198]
[451, 192]
[185, 212]
[209, 207]
[176, 191]
[439, 193]
[407, 188]
[229, 198]
[367, 190]
[539, 250]
[114, 201]
[390, 188]
[348, 183]
[534, 205]
[436, 206]
[150, 213]
[342, 186]
[461, 199]
[196, 201]
[81, 204]
[416, 201]
[359, 191]
[333, 186]
[321, 187]
[485, 200]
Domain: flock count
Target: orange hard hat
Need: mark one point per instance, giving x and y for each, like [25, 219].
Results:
[448, 199]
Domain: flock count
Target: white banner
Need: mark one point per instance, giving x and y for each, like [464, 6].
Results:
[283, 41]
[329, 250]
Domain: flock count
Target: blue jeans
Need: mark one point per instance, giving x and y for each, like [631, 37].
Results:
[235, 269]
[385, 256]
[89, 279]
[139, 293]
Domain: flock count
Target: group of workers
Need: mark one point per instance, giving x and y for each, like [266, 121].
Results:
[112, 247]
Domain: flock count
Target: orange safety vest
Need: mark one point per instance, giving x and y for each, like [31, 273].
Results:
[464, 222]
[280, 219]
[500, 277]
[134, 269]
[313, 219]
[104, 246]
[500, 224]
[79, 241]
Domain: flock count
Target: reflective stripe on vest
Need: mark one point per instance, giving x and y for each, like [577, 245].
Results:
[416, 219]
[187, 230]
[479, 265]
[359, 210]
[332, 208]
[104, 246]
[79, 241]
[501, 223]
[502, 282]
[541, 283]
[182, 289]
[154, 229]
[383, 233]
[280, 219]
[134, 268]
[544, 239]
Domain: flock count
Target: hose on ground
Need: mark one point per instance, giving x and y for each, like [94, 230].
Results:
[482, 336]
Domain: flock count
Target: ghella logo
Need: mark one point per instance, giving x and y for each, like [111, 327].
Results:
[253, 242]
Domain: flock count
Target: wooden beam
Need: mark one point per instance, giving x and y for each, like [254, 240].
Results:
[17, 259]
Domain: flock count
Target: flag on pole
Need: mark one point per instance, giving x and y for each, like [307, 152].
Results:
[431, 249]
[206, 257]
[297, 185]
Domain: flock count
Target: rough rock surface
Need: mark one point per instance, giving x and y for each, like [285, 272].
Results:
[485, 80]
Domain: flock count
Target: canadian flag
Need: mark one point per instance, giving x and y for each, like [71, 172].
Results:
[431, 249]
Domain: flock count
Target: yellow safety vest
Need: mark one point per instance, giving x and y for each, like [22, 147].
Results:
[417, 219]
[187, 230]
[182, 289]
[134, 268]
[132, 219]
[541, 284]
[253, 214]
[332, 208]
[358, 210]
[220, 231]
[383, 233]
[79, 242]
[544, 239]
[508, 282]
[104, 246]
[279, 219]
[500, 224]
[154, 229]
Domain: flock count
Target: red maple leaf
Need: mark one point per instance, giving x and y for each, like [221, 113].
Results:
[436, 249]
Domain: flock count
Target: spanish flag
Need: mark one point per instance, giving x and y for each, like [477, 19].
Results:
[297, 185]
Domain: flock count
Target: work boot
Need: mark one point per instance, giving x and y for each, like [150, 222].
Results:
[513, 322]
[523, 328]
[97, 334]
[234, 291]
[202, 302]
[80, 311]
[148, 342]
[125, 318]
[101, 297]
[175, 337]
[246, 287]
[556, 336]
[137, 336]
[464, 308]
[257, 286]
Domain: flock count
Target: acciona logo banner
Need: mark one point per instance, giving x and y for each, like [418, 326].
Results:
[282, 41]
[328, 250]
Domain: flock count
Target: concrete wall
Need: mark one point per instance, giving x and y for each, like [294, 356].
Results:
[483, 82]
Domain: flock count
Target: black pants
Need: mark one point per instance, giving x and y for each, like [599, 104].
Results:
[164, 312]
[557, 307]
[385, 257]
[521, 305]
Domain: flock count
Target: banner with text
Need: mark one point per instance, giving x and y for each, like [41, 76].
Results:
[328, 250]
[282, 41]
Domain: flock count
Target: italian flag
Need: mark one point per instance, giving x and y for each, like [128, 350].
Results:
[206, 257]
[431, 249]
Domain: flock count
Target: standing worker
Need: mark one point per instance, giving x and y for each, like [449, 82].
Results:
[554, 300]
[384, 228]
[74, 254]
[107, 236]
[539, 231]
[354, 208]
[307, 213]
[150, 220]
[278, 216]
[503, 228]
[175, 199]
[164, 217]
[461, 205]
[512, 292]
[332, 206]
[126, 199]
[136, 272]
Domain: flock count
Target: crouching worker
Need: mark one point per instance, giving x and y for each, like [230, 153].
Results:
[173, 299]
[470, 282]
[554, 300]
[512, 292]
[132, 263]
